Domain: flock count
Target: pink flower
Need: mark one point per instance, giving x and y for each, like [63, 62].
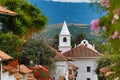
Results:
[115, 35]
[105, 3]
[104, 28]
[110, 37]
[116, 16]
[102, 2]
[113, 21]
[95, 24]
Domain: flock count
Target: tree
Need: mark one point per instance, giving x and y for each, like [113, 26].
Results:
[37, 52]
[55, 42]
[29, 20]
[76, 40]
[79, 38]
[110, 24]
[11, 44]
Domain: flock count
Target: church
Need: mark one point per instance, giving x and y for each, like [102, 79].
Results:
[79, 63]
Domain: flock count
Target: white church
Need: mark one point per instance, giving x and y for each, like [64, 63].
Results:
[79, 63]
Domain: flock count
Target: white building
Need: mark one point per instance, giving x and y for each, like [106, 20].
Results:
[64, 39]
[84, 54]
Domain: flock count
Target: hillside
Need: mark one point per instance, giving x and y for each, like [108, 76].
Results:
[52, 30]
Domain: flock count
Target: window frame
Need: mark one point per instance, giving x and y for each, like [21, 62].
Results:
[88, 79]
[64, 39]
[88, 69]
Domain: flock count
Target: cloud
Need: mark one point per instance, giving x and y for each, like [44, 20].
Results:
[73, 1]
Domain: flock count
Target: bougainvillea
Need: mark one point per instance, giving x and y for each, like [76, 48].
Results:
[41, 73]
[95, 24]
[110, 24]
[105, 3]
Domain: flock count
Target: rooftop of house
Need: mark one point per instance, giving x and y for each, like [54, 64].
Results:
[4, 56]
[81, 52]
[6, 11]
[59, 56]
[18, 76]
[21, 68]
[24, 69]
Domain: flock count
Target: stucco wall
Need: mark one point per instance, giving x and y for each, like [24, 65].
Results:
[12, 77]
[5, 76]
[61, 69]
[82, 64]
[61, 43]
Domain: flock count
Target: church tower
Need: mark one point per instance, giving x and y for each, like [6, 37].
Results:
[64, 39]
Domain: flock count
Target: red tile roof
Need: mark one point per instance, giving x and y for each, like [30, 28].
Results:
[81, 51]
[24, 69]
[18, 76]
[6, 68]
[4, 56]
[11, 70]
[59, 56]
[6, 11]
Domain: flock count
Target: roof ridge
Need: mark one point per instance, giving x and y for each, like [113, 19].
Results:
[81, 51]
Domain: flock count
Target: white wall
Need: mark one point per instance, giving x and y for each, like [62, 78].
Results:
[64, 46]
[24, 76]
[12, 77]
[5, 76]
[61, 69]
[82, 71]
[61, 43]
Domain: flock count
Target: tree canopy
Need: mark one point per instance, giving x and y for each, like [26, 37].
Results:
[110, 25]
[29, 19]
[37, 52]
[11, 44]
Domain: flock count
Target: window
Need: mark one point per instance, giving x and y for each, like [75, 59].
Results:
[88, 79]
[1, 25]
[64, 39]
[70, 71]
[88, 69]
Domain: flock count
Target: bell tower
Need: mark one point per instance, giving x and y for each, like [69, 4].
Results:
[64, 39]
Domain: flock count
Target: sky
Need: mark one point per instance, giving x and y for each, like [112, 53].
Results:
[75, 1]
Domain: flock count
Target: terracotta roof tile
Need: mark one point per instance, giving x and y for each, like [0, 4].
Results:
[24, 69]
[31, 77]
[6, 11]
[59, 56]
[81, 51]
[4, 56]
[6, 68]
[18, 76]
[13, 71]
